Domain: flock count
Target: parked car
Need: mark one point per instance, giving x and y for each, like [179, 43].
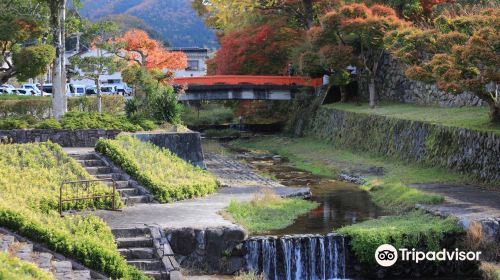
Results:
[34, 87]
[25, 92]
[91, 90]
[6, 89]
[47, 88]
[123, 89]
[75, 90]
[108, 89]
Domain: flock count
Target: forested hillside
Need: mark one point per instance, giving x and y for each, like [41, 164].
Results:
[175, 21]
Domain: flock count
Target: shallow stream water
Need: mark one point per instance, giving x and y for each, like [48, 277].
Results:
[341, 203]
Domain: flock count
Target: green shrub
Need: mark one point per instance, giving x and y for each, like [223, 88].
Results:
[30, 178]
[168, 177]
[146, 124]
[48, 124]
[14, 268]
[164, 105]
[415, 229]
[12, 123]
[222, 133]
[111, 104]
[83, 120]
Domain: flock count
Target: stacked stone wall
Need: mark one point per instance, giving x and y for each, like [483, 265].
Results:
[467, 151]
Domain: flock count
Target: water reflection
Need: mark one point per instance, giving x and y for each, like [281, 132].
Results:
[341, 203]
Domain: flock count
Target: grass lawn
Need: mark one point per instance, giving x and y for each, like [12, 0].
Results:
[476, 118]
[268, 212]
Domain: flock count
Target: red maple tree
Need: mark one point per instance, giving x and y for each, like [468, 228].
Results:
[256, 50]
[136, 46]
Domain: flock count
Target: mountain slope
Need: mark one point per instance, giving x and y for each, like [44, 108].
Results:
[174, 20]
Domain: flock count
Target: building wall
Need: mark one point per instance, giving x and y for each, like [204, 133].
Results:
[202, 65]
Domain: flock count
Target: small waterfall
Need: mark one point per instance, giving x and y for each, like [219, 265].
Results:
[300, 257]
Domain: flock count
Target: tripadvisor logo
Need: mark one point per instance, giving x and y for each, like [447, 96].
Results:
[386, 255]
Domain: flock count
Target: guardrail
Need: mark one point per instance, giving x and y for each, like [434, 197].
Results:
[88, 192]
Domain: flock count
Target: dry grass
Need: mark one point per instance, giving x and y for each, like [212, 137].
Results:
[266, 197]
[250, 276]
[474, 239]
[490, 271]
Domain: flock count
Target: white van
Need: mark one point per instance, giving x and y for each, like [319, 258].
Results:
[75, 90]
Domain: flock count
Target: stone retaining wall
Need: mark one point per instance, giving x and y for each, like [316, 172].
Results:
[186, 145]
[473, 152]
[393, 85]
[211, 250]
[63, 137]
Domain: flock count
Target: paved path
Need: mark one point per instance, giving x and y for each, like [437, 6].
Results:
[241, 184]
[467, 203]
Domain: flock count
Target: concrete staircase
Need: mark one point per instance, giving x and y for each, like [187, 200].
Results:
[62, 269]
[144, 249]
[96, 165]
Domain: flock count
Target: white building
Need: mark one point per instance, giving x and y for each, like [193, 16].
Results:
[196, 58]
[115, 78]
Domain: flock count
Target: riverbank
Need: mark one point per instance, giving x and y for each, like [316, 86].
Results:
[389, 182]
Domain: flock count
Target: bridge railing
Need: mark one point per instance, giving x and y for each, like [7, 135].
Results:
[252, 80]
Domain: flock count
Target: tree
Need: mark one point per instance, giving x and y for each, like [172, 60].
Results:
[137, 47]
[459, 54]
[363, 28]
[152, 99]
[22, 54]
[57, 22]
[257, 50]
[229, 15]
[324, 52]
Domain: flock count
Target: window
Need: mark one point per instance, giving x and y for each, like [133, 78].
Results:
[193, 65]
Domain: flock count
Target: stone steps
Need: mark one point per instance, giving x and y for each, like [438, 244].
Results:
[61, 269]
[134, 242]
[137, 246]
[146, 264]
[99, 168]
[137, 253]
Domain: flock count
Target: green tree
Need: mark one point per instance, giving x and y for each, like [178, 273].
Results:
[458, 53]
[153, 99]
[22, 51]
[93, 67]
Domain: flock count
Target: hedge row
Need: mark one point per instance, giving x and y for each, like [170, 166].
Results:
[79, 120]
[41, 107]
[168, 177]
[30, 177]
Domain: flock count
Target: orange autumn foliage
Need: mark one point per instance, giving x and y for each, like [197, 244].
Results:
[137, 47]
